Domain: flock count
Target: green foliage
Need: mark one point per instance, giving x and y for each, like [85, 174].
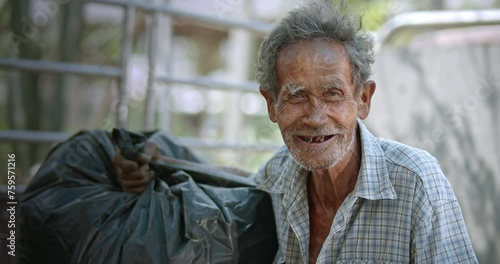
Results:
[375, 13]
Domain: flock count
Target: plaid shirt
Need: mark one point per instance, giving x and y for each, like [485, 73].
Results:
[402, 210]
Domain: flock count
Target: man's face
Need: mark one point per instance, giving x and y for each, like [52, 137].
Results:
[316, 104]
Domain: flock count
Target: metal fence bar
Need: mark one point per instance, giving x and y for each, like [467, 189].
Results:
[127, 34]
[31, 136]
[211, 83]
[108, 71]
[202, 144]
[150, 105]
[28, 136]
[435, 19]
[254, 26]
[59, 67]
[166, 51]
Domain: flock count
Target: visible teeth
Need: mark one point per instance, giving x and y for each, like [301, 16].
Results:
[317, 139]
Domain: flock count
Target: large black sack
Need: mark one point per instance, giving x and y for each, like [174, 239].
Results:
[73, 210]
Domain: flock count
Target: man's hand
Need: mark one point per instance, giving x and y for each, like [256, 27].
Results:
[134, 176]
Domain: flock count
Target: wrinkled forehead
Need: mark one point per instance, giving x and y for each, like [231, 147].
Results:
[318, 51]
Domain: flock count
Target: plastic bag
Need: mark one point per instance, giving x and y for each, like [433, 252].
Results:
[73, 210]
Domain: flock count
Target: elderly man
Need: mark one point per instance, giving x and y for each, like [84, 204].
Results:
[339, 194]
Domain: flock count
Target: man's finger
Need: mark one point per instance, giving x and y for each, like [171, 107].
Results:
[128, 184]
[117, 158]
[138, 186]
[119, 173]
[144, 158]
[152, 150]
[141, 173]
[128, 165]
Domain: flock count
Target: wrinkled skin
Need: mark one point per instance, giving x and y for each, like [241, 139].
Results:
[317, 104]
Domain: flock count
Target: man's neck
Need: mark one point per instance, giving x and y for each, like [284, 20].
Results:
[330, 187]
[327, 190]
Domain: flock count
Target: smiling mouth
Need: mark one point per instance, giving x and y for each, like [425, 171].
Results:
[315, 140]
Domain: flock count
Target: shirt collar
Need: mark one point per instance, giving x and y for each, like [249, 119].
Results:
[373, 180]
[291, 179]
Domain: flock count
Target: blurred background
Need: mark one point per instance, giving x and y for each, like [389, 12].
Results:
[187, 66]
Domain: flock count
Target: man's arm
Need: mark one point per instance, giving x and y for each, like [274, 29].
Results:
[443, 237]
[134, 176]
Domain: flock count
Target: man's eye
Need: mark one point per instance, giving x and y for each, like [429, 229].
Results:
[334, 93]
[296, 95]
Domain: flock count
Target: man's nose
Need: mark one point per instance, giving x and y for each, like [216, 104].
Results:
[316, 115]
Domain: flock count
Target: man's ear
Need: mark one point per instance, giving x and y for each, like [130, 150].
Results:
[365, 98]
[270, 103]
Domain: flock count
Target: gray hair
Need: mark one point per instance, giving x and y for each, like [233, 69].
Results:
[317, 20]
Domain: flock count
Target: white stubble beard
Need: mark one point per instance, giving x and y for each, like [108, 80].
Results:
[339, 153]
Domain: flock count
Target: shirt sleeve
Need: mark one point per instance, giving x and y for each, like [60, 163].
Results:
[265, 176]
[443, 237]
[259, 175]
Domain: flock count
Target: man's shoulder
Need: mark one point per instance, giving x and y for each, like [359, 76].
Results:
[406, 163]
[269, 172]
[417, 160]
[281, 156]
[396, 154]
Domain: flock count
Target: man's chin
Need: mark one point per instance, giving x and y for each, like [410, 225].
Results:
[311, 166]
